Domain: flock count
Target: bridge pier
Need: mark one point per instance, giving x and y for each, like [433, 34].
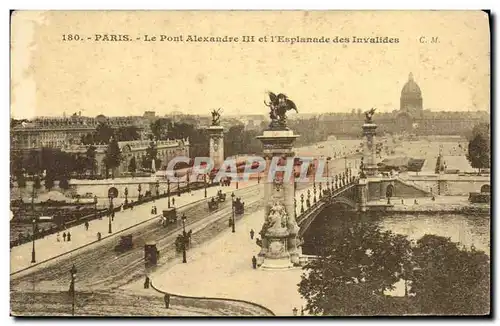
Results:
[279, 232]
[370, 167]
[216, 134]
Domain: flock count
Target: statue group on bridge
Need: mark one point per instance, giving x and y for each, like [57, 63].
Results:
[279, 105]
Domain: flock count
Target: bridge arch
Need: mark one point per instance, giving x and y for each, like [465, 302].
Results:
[486, 188]
[343, 201]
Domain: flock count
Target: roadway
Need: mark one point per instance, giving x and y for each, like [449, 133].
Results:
[101, 270]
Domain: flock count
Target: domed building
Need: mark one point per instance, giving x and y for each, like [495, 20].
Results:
[411, 96]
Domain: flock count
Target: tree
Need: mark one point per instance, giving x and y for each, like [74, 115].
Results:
[113, 157]
[479, 147]
[132, 167]
[103, 133]
[151, 154]
[91, 161]
[49, 181]
[449, 280]
[21, 180]
[128, 133]
[356, 266]
[37, 183]
[63, 183]
[160, 127]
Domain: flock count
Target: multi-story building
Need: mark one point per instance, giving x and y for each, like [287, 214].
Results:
[56, 132]
[134, 151]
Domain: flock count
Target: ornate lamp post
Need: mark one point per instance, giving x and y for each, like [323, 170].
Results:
[205, 184]
[314, 192]
[327, 169]
[72, 288]
[308, 201]
[187, 185]
[157, 186]
[168, 192]
[184, 238]
[95, 206]
[301, 203]
[320, 190]
[111, 213]
[139, 189]
[126, 195]
[232, 201]
[36, 183]
[33, 255]
[178, 187]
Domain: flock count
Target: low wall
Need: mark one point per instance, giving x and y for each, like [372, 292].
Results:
[450, 185]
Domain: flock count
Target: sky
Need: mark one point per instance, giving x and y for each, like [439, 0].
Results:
[50, 76]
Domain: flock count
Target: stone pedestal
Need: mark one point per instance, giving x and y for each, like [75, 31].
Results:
[216, 134]
[370, 167]
[280, 230]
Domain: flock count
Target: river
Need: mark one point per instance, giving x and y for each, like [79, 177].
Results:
[468, 230]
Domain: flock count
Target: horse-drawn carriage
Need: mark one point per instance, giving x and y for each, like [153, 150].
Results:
[239, 207]
[183, 240]
[125, 243]
[220, 196]
[151, 254]
[213, 204]
[169, 217]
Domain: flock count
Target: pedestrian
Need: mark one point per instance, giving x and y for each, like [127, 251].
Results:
[402, 201]
[132, 206]
[86, 225]
[416, 203]
[152, 210]
[64, 236]
[58, 237]
[98, 236]
[252, 234]
[69, 236]
[167, 300]
[146, 283]
[173, 201]
[254, 262]
[433, 198]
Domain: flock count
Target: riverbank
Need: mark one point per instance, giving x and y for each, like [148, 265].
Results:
[441, 204]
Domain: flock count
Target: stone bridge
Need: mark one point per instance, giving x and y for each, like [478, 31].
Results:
[357, 194]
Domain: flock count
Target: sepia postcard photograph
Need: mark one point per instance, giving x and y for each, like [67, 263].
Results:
[250, 163]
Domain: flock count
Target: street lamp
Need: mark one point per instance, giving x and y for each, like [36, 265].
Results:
[95, 207]
[205, 184]
[184, 238]
[157, 188]
[178, 187]
[110, 213]
[35, 182]
[168, 191]
[72, 287]
[232, 200]
[33, 256]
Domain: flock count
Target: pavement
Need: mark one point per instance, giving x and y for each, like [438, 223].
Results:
[48, 247]
[441, 203]
[222, 268]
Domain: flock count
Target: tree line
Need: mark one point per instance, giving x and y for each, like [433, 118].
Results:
[358, 263]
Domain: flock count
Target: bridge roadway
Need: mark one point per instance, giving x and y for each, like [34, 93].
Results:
[103, 272]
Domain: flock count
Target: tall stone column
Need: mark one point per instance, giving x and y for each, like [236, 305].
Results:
[370, 167]
[280, 230]
[216, 134]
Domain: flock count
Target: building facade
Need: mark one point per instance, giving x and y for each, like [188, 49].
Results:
[134, 151]
[56, 132]
[411, 118]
